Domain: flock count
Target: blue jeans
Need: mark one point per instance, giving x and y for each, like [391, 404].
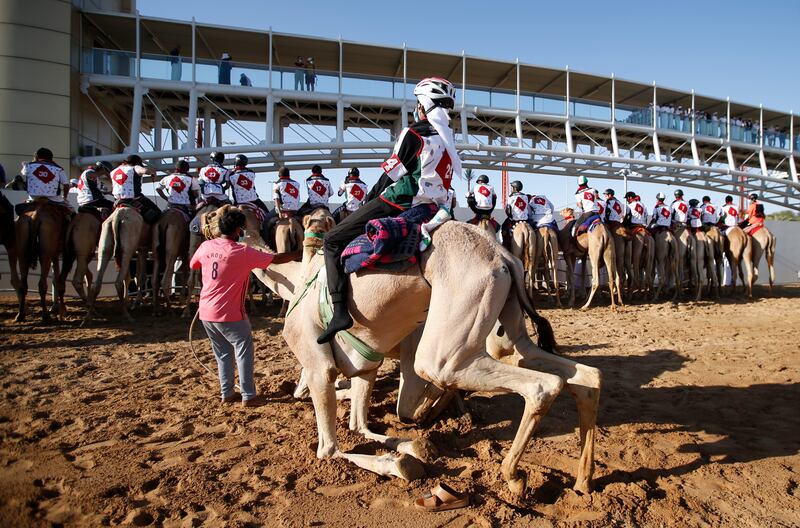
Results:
[229, 340]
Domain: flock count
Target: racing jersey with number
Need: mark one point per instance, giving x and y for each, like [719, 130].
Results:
[419, 170]
[662, 215]
[126, 181]
[319, 190]
[680, 211]
[586, 200]
[615, 210]
[243, 183]
[483, 193]
[638, 213]
[731, 215]
[87, 187]
[541, 210]
[710, 214]
[695, 216]
[355, 194]
[178, 186]
[288, 192]
[43, 178]
[212, 178]
[519, 204]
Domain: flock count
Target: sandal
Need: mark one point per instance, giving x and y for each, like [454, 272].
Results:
[442, 498]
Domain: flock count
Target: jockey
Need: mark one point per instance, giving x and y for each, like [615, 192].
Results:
[126, 187]
[695, 215]
[481, 199]
[586, 202]
[179, 189]
[419, 171]
[614, 209]
[214, 180]
[89, 188]
[754, 216]
[286, 193]
[636, 214]
[541, 212]
[518, 208]
[44, 179]
[319, 191]
[710, 212]
[355, 191]
[680, 210]
[729, 215]
[243, 182]
[662, 215]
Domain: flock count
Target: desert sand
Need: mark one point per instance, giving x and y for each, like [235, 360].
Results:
[117, 424]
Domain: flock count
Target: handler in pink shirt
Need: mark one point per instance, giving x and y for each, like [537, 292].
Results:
[226, 267]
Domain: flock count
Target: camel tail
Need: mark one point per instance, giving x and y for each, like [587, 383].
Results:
[32, 246]
[116, 228]
[69, 253]
[547, 339]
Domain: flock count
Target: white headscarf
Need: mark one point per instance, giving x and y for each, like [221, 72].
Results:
[439, 118]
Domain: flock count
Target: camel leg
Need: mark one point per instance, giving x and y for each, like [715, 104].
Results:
[582, 381]
[23, 231]
[614, 267]
[121, 284]
[452, 355]
[771, 263]
[59, 310]
[45, 262]
[747, 259]
[104, 256]
[157, 272]
[360, 392]
[594, 256]
[418, 400]
[169, 275]
[570, 261]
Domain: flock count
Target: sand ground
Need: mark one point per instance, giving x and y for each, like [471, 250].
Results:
[116, 424]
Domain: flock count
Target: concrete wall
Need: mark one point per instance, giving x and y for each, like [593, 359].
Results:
[35, 43]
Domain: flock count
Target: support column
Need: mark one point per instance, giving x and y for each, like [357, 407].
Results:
[175, 140]
[191, 125]
[270, 120]
[731, 159]
[762, 161]
[218, 132]
[157, 126]
[207, 127]
[614, 141]
[277, 133]
[656, 147]
[792, 162]
[518, 127]
[464, 129]
[695, 152]
[568, 133]
[136, 118]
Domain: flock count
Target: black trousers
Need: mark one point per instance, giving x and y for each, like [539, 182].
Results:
[337, 239]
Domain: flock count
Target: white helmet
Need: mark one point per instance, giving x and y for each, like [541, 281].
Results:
[583, 180]
[661, 196]
[439, 90]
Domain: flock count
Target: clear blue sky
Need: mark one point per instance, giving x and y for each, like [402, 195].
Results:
[745, 50]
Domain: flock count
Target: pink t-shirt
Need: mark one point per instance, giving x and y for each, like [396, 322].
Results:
[226, 269]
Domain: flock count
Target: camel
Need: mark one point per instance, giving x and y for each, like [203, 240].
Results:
[289, 233]
[738, 251]
[700, 260]
[83, 234]
[639, 257]
[598, 246]
[39, 235]
[684, 244]
[170, 237]
[620, 237]
[665, 261]
[8, 238]
[123, 234]
[716, 251]
[522, 244]
[451, 353]
[547, 251]
[763, 243]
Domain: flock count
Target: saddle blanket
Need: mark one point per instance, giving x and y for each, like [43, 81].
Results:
[260, 214]
[589, 224]
[753, 229]
[476, 220]
[388, 243]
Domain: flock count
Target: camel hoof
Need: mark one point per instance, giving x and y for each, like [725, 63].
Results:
[409, 468]
[20, 318]
[419, 448]
[518, 483]
[583, 486]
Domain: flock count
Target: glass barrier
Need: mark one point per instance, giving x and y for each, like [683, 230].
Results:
[590, 110]
[634, 115]
[231, 72]
[669, 118]
[110, 62]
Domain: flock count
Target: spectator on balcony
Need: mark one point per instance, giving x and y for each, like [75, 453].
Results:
[175, 63]
[771, 131]
[244, 80]
[782, 138]
[311, 74]
[299, 73]
[225, 67]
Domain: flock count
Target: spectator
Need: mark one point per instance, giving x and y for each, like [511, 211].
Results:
[226, 267]
[244, 80]
[225, 67]
[299, 72]
[311, 74]
[175, 62]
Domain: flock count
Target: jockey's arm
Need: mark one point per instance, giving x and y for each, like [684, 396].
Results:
[341, 190]
[508, 211]
[494, 201]
[283, 258]
[161, 193]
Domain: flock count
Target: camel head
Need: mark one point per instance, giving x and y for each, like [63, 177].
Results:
[568, 213]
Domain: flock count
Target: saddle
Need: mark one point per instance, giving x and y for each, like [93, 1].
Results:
[182, 209]
[149, 211]
[752, 229]
[101, 213]
[635, 230]
[619, 230]
[211, 200]
[28, 208]
[476, 220]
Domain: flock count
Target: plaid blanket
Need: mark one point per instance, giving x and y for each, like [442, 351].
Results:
[388, 243]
